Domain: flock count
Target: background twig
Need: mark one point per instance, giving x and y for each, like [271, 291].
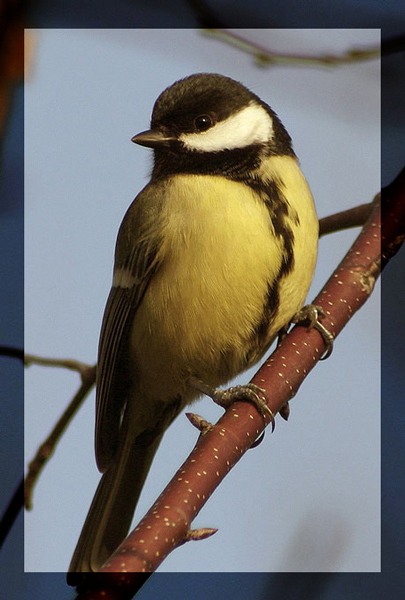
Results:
[47, 448]
[11, 512]
[353, 217]
[265, 57]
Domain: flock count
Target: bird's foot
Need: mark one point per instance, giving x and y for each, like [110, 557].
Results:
[239, 393]
[312, 313]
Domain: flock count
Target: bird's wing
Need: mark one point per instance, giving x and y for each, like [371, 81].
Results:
[136, 261]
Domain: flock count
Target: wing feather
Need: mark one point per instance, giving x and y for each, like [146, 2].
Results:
[136, 261]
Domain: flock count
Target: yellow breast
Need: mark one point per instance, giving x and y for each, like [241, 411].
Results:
[220, 253]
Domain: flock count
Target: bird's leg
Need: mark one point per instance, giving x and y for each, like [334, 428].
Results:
[248, 392]
[282, 334]
[312, 313]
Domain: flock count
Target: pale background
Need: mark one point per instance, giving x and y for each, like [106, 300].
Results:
[308, 498]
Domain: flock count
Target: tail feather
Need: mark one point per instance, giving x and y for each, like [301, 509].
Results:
[114, 503]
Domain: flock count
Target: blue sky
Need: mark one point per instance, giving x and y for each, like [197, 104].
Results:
[315, 483]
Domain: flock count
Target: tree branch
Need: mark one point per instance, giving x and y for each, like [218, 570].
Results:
[11, 512]
[342, 220]
[65, 363]
[349, 218]
[393, 217]
[204, 14]
[167, 524]
[12, 352]
[221, 438]
[267, 58]
[46, 449]
[353, 217]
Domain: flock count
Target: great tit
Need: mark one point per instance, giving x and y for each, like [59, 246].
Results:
[213, 258]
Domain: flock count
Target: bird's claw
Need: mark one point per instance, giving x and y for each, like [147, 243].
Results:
[248, 392]
[312, 313]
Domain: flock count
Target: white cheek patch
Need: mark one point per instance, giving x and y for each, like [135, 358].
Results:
[251, 125]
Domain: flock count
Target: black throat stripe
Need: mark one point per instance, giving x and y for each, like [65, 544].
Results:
[280, 216]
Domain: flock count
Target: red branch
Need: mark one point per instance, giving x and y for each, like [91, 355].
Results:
[219, 447]
[167, 523]
[393, 217]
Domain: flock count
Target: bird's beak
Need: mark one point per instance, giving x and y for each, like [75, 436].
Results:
[153, 138]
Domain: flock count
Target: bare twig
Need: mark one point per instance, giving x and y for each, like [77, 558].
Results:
[12, 352]
[11, 512]
[353, 217]
[266, 58]
[393, 45]
[64, 363]
[205, 16]
[393, 217]
[46, 449]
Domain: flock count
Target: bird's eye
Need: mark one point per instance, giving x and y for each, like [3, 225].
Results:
[203, 122]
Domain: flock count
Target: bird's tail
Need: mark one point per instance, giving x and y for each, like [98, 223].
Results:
[113, 505]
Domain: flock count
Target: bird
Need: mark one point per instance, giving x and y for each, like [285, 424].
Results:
[213, 259]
